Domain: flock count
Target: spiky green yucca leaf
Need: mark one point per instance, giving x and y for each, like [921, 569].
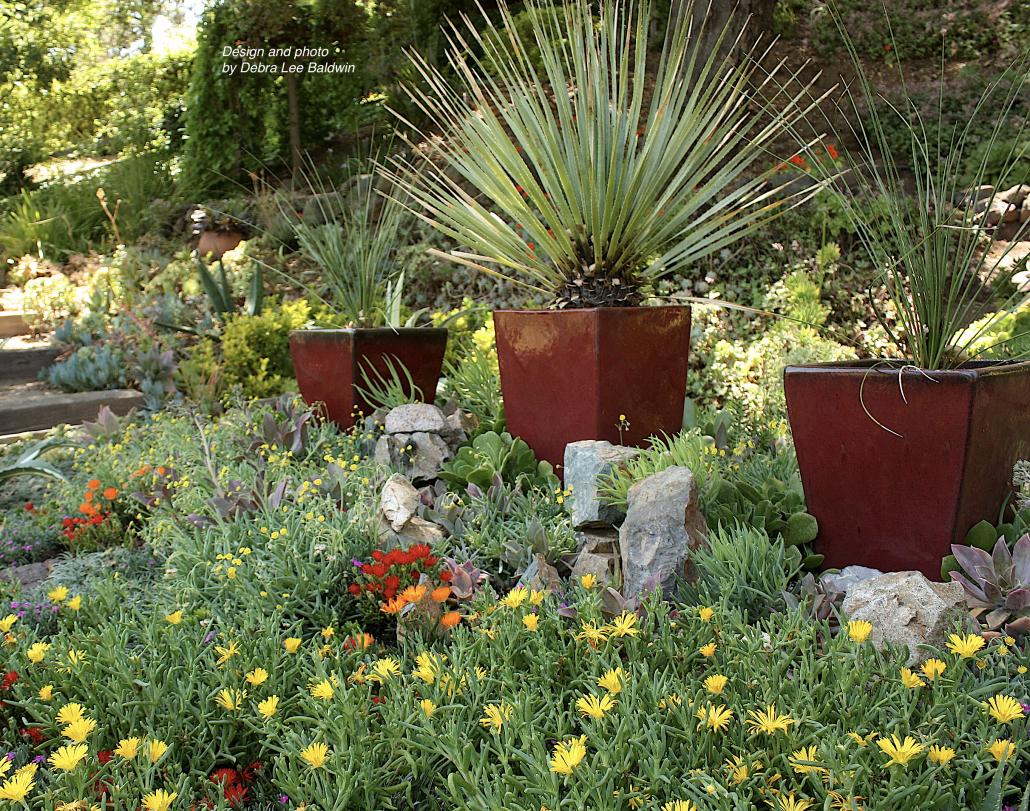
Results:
[608, 189]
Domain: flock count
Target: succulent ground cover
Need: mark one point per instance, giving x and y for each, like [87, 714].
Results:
[245, 644]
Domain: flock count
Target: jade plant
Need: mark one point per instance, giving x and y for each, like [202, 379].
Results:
[998, 583]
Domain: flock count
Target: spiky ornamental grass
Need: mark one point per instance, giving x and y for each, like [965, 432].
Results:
[610, 193]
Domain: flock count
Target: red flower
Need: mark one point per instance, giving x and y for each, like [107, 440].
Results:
[431, 561]
[833, 152]
[105, 756]
[379, 569]
[252, 770]
[797, 160]
[9, 679]
[378, 699]
[886, 47]
[226, 776]
[367, 568]
[354, 589]
[36, 734]
[377, 556]
[392, 582]
[30, 508]
[446, 577]
[419, 550]
[235, 795]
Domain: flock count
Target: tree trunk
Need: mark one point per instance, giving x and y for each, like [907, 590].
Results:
[708, 19]
[294, 115]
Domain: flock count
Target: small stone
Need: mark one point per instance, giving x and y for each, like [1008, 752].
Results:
[905, 608]
[382, 452]
[663, 526]
[598, 541]
[428, 453]
[848, 577]
[415, 418]
[1016, 195]
[1024, 211]
[540, 576]
[588, 563]
[584, 462]
[398, 502]
[415, 531]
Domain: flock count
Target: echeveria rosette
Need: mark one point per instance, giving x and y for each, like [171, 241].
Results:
[998, 582]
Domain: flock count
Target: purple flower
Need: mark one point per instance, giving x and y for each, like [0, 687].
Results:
[39, 759]
[284, 799]
[357, 562]
[10, 756]
[209, 637]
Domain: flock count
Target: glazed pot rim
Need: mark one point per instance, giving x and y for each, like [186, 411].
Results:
[893, 366]
[407, 331]
[567, 310]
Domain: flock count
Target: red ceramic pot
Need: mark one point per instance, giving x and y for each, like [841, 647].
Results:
[568, 375]
[216, 243]
[328, 364]
[897, 499]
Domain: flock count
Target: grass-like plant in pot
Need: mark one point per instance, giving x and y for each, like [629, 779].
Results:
[899, 458]
[354, 246]
[603, 189]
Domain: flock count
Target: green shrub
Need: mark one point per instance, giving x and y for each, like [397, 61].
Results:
[48, 299]
[256, 349]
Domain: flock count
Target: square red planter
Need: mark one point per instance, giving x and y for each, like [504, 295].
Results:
[328, 364]
[569, 375]
[897, 501]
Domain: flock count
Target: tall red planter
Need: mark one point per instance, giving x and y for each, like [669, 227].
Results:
[568, 375]
[898, 502]
[328, 364]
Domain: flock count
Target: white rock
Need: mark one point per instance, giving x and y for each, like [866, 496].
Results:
[415, 417]
[399, 501]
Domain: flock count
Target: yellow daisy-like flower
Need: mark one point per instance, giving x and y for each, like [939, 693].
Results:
[79, 731]
[257, 676]
[59, 594]
[859, 630]
[328, 632]
[322, 690]
[316, 755]
[495, 716]
[595, 707]
[8, 622]
[612, 681]
[159, 800]
[705, 614]
[224, 654]
[1001, 749]
[531, 621]
[427, 706]
[900, 752]
[588, 581]
[174, 618]
[1004, 709]
[860, 740]
[75, 603]
[128, 748]
[717, 718]
[769, 720]
[715, 684]
[910, 679]
[155, 749]
[37, 652]
[941, 755]
[592, 634]
[788, 802]
[965, 646]
[708, 650]
[537, 597]
[932, 668]
[516, 597]
[292, 644]
[46, 692]
[385, 669]
[568, 754]
[68, 757]
[230, 699]
[806, 759]
[268, 707]
[670, 701]
[70, 713]
[17, 787]
[624, 625]
[679, 805]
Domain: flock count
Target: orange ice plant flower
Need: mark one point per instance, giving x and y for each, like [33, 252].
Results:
[110, 493]
[412, 594]
[93, 484]
[394, 606]
[450, 619]
[441, 594]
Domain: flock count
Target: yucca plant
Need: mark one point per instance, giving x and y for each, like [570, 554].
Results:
[601, 190]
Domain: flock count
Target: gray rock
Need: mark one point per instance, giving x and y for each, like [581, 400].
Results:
[905, 608]
[428, 453]
[1001, 211]
[382, 454]
[848, 577]
[415, 530]
[540, 575]
[584, 462]
[398, 502]
[597, 565]
[415, 418]
[598, 541]
[29, 574]
[663, 526]
[1024, 211]
[1016, 195]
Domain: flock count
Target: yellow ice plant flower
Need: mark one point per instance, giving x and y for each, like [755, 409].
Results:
[385, 669]
[159, 800]
[268, 707]
[568, 755]
[860, 740]
[859, 630]
[932, 668]
[230, 699]
[68, 757]
[1001, 749]
[128, 748]
[292, 644]
[670, 701]
[612, 681]
[17, 787]
[593, 706]
[965, 646]
[715, 684]
[257, 676]
[322, 690]
[910, 679]
[495, 716]
[705, 614]
[75, 603]
[531, 621]
[516, 597]
[8, 622]
[59, 594]
[1003, 709]
[427, 706]
[70, 713]
[806, 759]
[155, 749]
[79, 731]
[708, 650]
[768, 720]
[588, 581]
[328, 632]
[429, 666]
[900, 752]
[174, 618]
[537, 597]
[717, 718]
[46, 692]
[37, 652]
[224, 654]
[592, 634]
[788, 802]
[941, 755]
[679, 805]
[316, 755]
[624, 625]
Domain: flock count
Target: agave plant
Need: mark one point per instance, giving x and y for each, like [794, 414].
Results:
[998, 583]
[602, 191]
